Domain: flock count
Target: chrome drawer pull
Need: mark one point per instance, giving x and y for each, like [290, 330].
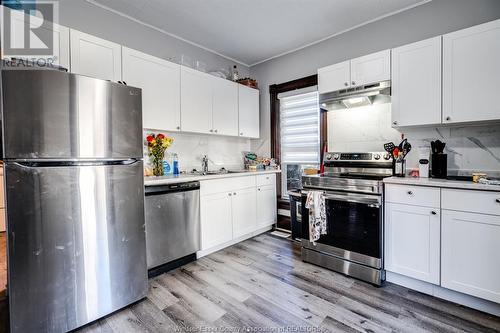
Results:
[410, 192]
[498, 200]
[433, 213]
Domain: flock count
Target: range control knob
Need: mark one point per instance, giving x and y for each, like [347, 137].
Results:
[387, 156]
[336, 156]
[328, 156]
[376, 156]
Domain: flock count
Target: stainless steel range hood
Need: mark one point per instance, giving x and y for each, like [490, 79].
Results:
[374, 93]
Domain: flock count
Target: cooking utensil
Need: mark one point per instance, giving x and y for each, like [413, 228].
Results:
[406, 148]
[389, 147]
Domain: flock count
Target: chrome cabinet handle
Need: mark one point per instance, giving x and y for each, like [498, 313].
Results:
[448, 118]
[178, 127]
[229, 194]
[241, 133]
[353, 83]
[433, 213]
[498, 200]
[258, 189]
[346, 84]
[394, 122]
[215, 131]
[234, 193]
[410, 192]
[211, 131]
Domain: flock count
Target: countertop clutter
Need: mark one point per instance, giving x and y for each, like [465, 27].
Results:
[171, 179]
[445, 183]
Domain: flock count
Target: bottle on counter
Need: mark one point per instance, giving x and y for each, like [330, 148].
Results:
[175, 164]
[167, 164]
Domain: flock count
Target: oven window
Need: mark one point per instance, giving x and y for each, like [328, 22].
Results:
[351, 226]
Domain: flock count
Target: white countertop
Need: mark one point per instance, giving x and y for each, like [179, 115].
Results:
[171, 179]
[434, 182]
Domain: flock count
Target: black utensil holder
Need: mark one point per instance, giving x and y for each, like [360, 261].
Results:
[439, 166]
[399, 168]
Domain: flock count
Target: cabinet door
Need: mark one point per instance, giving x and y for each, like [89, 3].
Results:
[160, 82]
[59, 33]
[469, 256]
[225, 106]
[416, 83]
[334, 77]
[471, 74]
[371, 68]
[412, 241]
[196, 101]
[244, 208]
[266, 205]
[216, 223]
[95, 57]
[248, 109]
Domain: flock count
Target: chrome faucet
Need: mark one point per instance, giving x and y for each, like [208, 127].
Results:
[204, 164]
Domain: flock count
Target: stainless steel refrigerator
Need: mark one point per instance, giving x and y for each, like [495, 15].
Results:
[72, 153]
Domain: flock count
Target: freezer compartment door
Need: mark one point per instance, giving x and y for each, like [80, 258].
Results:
[49, 114]
[76, 243]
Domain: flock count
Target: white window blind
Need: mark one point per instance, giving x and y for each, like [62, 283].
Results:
[300, 136]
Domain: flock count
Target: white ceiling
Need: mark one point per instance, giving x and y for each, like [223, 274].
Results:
[250, 32]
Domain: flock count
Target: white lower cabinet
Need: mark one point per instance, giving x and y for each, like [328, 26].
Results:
[233, 209]
[216, 222]
[469, 254]
[412, 241]
[244, 203]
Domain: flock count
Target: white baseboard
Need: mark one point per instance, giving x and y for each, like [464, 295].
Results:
[219, 247]
[443, 293]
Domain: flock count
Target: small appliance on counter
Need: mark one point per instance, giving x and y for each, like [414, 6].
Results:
[439, 160]
[423, 162]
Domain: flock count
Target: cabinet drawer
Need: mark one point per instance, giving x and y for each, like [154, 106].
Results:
[226, 185]
[472, 201]
[413, 195]
[263, 180]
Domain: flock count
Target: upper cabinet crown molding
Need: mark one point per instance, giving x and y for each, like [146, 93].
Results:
[95, 57]
[160, 83]
[416, 83]
[471, 74]
[371, 68]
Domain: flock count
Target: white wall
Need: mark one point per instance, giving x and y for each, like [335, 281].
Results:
[432, 19]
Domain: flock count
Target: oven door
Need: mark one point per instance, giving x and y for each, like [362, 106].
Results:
[354, 227]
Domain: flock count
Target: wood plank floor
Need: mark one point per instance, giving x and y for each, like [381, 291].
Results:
[261, 285]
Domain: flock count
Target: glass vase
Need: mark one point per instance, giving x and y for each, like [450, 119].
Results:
[157, 162]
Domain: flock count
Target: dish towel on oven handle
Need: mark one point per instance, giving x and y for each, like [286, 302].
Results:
[317, 215]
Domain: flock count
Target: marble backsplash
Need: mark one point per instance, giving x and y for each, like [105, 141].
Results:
[222, 151]
[470, 148]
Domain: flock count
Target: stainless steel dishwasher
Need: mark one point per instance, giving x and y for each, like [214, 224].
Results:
[172, 225]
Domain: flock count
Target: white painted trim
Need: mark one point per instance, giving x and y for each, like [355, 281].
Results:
[443, 293]
[95, 3]
[219, 247]
[343, 31]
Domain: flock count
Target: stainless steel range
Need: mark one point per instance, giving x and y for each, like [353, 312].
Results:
[353, 189]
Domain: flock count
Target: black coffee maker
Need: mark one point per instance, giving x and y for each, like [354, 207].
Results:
[439, 160]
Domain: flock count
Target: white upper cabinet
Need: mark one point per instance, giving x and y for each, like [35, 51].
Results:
[469, 257]
[95, 57]
[225, 107]
[416, 83]
[471, 74]
[334, 77]
[412, 240]
[196, 101]
[371, 68]
[160, 83]
[248, 101]
[60, 34]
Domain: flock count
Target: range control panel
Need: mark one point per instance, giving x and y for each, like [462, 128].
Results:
[362, 157]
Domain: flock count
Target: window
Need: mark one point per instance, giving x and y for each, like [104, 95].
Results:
[300, 136]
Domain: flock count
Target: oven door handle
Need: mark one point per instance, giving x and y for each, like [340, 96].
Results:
[362, 199]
